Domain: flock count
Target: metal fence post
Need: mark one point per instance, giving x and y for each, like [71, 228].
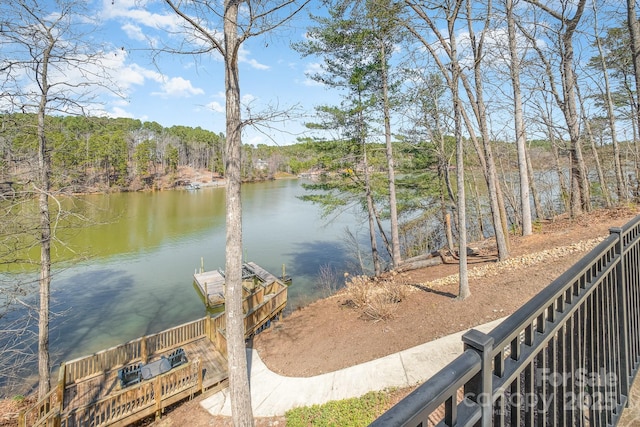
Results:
[623, 320]
[480, 389]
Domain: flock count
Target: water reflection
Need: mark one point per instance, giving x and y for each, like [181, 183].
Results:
[145, 247]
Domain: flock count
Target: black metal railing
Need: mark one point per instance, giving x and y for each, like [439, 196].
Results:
[565, 358]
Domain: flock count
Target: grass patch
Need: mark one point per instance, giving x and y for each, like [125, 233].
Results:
[354, 412]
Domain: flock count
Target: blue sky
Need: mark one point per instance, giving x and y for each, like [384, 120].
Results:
[179, 90]
[183, 90]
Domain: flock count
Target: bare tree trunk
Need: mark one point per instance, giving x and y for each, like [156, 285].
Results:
[580, 200]
[383, 235]
[463, 290]
[370, 214]
[525, 205]
[446, 216]
[537, 205]
[238, 376]
[484, 154]
[448, 232]
[594, 151]
[44, 164]
[564, 191]
[579, 196]
[495, 195]
[621, 190]
[480, 217]
[634, 35]
[396, 257]
[443, 165]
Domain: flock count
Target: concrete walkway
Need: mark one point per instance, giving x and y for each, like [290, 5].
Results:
[273, 394]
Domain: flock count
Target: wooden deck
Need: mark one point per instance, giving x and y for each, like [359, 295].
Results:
[93, 388]
[89, 392]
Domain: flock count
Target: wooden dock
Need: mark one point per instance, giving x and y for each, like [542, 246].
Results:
[211, 286]
[256, 281]
[89, 391]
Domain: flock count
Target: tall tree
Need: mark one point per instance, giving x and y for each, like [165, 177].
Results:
[479, 107]
[633, 26]
[424, 14]
[568, 19]
[518, 120]
[200, 20]
[383, 16]
[355, 61]
[452, 74]
[600, 63]
[48, 67]
[463, 285]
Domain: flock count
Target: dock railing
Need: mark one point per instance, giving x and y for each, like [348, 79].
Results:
[217, 333]
[136, 350]
[567, 357]
[138, 401]
[260, 316]
[45, 412]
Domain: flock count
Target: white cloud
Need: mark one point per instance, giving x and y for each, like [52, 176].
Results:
[178, 87]
[312, 69]
[120, 112]
[248, 99]
[138, 12]
[128, 75]
[215, 107]
[133, 32]
[255, 64]
[243, 56]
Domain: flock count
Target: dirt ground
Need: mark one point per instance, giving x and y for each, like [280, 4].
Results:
[328, 334]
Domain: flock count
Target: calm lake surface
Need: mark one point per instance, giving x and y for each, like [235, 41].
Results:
[139, 279]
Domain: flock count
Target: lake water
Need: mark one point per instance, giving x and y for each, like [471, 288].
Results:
[139, 279]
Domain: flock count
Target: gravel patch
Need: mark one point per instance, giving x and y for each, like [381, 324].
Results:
[516, 263]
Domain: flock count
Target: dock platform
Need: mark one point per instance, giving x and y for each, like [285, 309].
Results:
[89, 391]
[211, 284]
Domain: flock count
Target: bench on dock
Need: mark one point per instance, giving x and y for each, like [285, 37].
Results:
[136, 372]
[177, 357]
[155, 368]
[130, 374]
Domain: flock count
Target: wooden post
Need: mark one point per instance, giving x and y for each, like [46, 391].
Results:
[201, 264]
[157, 391]
[143, 349]
[207, 326]
[206, 295]
[199, 373]
[61, 385]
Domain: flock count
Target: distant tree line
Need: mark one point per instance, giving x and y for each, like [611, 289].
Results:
[94, 154]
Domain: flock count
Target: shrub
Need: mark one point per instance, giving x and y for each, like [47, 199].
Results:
[377, 299]
[327, 281]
